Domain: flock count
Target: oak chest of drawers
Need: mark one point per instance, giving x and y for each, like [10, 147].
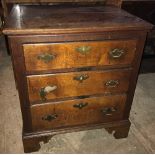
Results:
[75, 68]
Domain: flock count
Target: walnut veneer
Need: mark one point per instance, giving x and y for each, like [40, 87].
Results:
[75, 67]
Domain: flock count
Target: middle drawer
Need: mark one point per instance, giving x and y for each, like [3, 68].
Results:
[56, 86]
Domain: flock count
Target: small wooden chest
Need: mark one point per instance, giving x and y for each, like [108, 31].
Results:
[75, 67]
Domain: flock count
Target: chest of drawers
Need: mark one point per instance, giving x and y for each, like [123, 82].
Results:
[75, 68]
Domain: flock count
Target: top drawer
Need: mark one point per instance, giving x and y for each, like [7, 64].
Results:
[49, 56]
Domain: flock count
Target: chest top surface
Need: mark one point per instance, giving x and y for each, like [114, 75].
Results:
[44, 19]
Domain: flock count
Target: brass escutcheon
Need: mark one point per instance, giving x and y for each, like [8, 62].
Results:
[84, 49]
[81, 78]
[80, 105]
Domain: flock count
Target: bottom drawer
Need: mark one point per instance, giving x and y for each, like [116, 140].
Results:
[77, 112]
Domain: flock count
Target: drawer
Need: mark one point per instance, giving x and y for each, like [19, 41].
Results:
[41, 57]
[77, 112]
[56, 86]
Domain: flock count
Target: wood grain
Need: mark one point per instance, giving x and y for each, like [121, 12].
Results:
[69, 19]
[68, 115]
[60, 1]
[67, 56]
[68, 87]
[6, 3]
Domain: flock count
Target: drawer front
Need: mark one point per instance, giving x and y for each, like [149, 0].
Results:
[77, 112]
[41, 57]
[53, 86]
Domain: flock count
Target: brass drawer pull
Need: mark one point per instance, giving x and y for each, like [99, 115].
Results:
[116, 53]
[45, 90]
[81, 78]
[84, 49]
[46, 57]
[112, 83]
[49, 117]
[109, 110]
[80, 105]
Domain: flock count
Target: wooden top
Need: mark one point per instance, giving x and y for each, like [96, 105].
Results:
[106, 2]
[44, 19]
[59, 1]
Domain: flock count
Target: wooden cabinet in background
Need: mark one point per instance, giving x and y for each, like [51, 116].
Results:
[144, 9]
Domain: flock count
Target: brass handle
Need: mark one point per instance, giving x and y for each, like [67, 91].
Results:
[112, 83]
[81, 78]
[46, 57]
[116, 53]
[49, 117]
[109, 110]
[80, 105]
[84, 49]
[45, 90]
